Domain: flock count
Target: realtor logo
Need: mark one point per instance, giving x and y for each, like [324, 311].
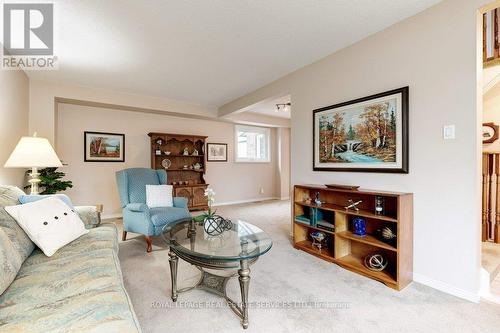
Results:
[28, 29]
[28, 36]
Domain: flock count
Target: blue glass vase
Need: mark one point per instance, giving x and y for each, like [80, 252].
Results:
[359, 226]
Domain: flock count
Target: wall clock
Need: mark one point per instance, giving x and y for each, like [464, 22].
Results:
[490, 132]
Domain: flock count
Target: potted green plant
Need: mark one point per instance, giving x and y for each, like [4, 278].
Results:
[51, 181]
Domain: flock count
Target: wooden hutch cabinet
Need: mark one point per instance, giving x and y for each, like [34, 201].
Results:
[183, 157]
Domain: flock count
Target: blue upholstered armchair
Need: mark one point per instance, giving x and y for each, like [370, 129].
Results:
[137, 216]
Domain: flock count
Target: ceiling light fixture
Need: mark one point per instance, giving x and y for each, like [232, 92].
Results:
[285, 107]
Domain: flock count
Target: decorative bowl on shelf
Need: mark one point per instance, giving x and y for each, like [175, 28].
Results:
[376, 262]
[166, 163]
[168, 153]
[342, 187]
[387, 235]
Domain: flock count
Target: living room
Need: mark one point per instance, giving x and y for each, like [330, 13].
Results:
[199, 162]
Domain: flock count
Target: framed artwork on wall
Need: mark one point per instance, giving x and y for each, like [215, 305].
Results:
[490, 132]
[216, 152]
[369, 134]
[104, 147]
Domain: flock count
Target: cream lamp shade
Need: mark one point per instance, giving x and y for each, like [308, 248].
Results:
[33, 152]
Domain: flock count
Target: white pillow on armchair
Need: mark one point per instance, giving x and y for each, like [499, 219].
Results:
[159, 196]
[49, 223]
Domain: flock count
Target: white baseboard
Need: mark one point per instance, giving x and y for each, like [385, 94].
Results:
[243, 201]
[446, 288]
[111, 216]
[227, 203]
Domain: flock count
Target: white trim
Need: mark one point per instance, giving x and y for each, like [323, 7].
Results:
[491, 84]
[446, 288]
[285, 198]
[227, 203]
[111, 216]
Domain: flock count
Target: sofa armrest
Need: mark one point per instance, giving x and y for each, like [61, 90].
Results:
[180, 202]
[137, 207]
[90, 215]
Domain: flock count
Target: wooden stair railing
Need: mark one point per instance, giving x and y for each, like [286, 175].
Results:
[490, 221]
[491, 46]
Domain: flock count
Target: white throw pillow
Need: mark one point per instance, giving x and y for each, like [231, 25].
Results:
[159, 196]
[50, 223]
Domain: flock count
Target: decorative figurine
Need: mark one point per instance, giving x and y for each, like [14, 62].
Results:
[195, 152]
[186, 152]
[375, 262]
[379, 205]
[359, 226]
[353, 205]
[308, 200]
[318, 238]
[159, 142]
[317, 199]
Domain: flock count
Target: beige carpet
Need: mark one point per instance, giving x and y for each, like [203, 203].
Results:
[339, 301]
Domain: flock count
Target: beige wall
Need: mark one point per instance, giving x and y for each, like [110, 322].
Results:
[95, 182]
[43, 97]
[435, 53]
[491, 113]
[14, 108]
[283, 169]
[43, 94]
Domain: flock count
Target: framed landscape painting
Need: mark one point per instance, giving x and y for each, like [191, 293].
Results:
[217, 152]
[368, 134]
[104, 147]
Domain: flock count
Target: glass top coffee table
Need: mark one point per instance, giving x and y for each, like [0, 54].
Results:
[238, 245]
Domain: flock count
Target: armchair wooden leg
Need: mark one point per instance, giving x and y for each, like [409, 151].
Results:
[124, 235]
[149, 240]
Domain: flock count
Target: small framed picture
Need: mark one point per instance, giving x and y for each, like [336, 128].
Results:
[104, 147]
[216, 152]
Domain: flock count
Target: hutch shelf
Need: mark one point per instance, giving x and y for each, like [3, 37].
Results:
[185, 172]
[341, 245]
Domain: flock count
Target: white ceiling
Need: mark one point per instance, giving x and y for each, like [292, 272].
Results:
[268, 107]
[207, 52]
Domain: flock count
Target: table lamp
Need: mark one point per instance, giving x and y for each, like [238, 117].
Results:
[33, 152]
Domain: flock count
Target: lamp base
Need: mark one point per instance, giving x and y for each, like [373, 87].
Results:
[34, 181]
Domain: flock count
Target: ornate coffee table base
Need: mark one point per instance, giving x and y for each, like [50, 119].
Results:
[216, 284]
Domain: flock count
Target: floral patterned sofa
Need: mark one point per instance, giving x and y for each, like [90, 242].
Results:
[79, 289]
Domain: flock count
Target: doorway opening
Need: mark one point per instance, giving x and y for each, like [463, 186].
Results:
[490, 218]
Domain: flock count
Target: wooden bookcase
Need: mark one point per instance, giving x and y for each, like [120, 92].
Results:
[194, 190]
[347, 249]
